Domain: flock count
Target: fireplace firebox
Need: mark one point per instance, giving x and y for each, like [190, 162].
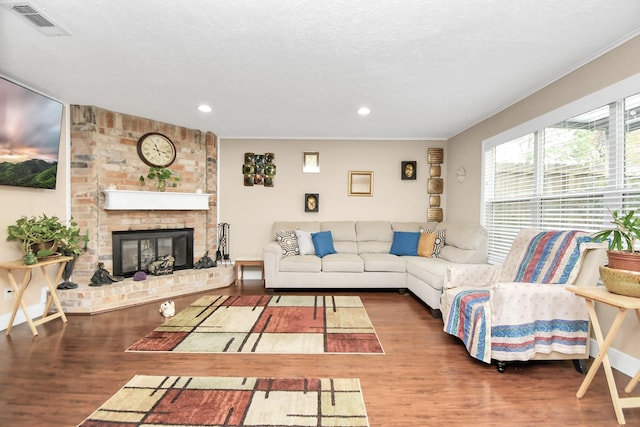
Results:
[133, 251]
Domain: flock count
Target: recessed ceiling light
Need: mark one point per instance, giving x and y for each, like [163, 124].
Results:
[205, 108]
[363, 111]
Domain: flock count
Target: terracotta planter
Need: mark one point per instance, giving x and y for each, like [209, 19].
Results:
[621, 282]
[629, 261]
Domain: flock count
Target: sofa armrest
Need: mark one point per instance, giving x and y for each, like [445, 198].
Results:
[271, 255]
[471, 275]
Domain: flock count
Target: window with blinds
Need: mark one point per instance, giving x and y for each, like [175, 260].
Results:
[570, 175]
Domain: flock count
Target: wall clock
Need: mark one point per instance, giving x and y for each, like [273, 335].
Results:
[156, 149]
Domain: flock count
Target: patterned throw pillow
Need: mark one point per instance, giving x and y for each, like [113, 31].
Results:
[439, 243]
[288, 242]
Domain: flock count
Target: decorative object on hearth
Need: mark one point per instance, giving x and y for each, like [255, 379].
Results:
[139, 276]
[204, 262]
[163, 175]
[435, 184]
[311, 202]
[156, 150]
[168, 308]
[162, 266]
[103, 277]
[222, 253]
[259, 169]
[408, 170]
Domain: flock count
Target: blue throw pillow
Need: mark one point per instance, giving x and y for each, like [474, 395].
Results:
[405, 243]
[323, 243]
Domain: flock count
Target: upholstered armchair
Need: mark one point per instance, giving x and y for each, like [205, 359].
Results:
[520, 310]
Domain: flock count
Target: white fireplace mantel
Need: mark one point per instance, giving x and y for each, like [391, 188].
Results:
[154, 200]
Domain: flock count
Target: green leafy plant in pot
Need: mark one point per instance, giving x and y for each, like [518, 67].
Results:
[42, 236]
[163, 175]
[622, 274]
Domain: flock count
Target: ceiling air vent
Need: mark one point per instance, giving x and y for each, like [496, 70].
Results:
[37, 19]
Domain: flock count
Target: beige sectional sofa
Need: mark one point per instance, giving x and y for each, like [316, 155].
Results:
[362, 258]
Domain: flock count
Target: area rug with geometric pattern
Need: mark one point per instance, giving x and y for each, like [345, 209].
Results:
[276, 324]
[233, 401]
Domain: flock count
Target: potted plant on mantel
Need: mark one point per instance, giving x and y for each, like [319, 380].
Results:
[622, 274]
[163, 175]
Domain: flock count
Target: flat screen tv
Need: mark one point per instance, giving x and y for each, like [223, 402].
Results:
[30, 125]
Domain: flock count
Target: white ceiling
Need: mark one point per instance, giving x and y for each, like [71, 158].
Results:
[301, 68]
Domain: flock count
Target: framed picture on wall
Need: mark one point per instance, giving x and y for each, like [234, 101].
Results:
[408, 170]
[311, 202]
[311, 162]
[360, 183]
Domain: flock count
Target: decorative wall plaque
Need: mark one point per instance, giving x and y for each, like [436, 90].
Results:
[258, 169]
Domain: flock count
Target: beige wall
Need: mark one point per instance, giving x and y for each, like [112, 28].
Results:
[465, 149]
[252, 210]
[18, 201]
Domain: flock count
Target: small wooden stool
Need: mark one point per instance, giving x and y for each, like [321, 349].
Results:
[241, 263]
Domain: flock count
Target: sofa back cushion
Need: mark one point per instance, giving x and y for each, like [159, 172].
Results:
[464, 243]
[374, 237]
[413, 226]
[344, 235]
[312, 226]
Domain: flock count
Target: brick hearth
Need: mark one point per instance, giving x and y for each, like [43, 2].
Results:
[92, 300]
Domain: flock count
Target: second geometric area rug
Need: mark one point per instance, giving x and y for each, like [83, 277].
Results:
[266, 324]
[232, 401]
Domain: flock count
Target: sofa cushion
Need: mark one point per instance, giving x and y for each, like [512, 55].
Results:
[426, 244]
[405, 243]
[429, 270]
[301, 264]
[413, 226]
[374, 237]
[305, 243]
[288, 242]
[439, 243]
[311, 226]
[344, 235]
[348, 263]
[323, 243]
[384, 262]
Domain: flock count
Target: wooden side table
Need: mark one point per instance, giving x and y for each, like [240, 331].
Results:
[593, 294]
[18, 266]
[241, 263]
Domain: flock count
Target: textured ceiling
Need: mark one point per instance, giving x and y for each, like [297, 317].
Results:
[301, 68]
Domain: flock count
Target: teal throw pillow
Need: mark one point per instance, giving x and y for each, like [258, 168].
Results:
[323, 243]
[405, 243]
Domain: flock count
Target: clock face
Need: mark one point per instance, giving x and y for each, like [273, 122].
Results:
[156, 149]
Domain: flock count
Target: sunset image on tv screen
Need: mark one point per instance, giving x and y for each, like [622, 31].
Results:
[30, 126]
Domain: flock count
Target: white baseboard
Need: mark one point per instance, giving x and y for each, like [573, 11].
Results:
[620, 361]
[34, 311]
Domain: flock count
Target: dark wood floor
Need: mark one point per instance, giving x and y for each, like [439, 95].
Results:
[425, 377]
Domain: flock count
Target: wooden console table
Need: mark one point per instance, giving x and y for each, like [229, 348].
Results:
[593, 294]
[240, 264]
[18, 265]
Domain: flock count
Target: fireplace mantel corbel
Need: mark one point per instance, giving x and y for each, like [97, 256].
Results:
[154, 200]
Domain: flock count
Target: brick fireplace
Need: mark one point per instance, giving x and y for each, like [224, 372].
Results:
[104, 156]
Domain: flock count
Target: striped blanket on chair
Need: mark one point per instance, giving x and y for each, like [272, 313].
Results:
[468, 320]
